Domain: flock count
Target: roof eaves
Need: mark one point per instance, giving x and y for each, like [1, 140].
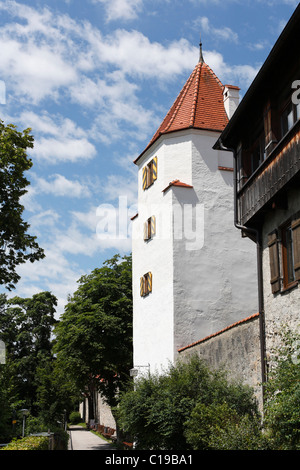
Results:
[245, 320]
[177, 183]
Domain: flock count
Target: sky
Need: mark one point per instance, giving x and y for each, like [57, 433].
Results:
[93, 80]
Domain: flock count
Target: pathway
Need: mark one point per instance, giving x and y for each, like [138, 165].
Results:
[82, 439]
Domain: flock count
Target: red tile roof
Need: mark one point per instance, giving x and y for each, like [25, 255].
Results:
[177, 183]
[199, 105]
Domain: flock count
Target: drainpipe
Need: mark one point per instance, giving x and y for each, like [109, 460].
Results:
[258, 239]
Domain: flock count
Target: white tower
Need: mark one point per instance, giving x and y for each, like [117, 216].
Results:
[189, 261]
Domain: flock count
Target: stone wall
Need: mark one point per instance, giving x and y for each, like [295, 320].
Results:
[281, 309]
[235, 349]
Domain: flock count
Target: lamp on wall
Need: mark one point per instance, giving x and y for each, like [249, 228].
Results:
[135, 370]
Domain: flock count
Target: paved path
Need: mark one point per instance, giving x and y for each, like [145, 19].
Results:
[82, 439]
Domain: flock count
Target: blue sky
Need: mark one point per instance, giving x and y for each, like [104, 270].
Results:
[94, 79]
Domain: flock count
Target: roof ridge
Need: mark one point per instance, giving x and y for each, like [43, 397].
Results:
[215, 77]
[181, 95]
[196, 92]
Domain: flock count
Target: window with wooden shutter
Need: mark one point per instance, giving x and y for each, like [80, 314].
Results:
[146, 284]
[274, 261]
[149, 282]
[153, 226]
[149, 228]
[296, 247]
[142, 286]
[150, 173]
[146, 230]
[144, 178]
[154, 169]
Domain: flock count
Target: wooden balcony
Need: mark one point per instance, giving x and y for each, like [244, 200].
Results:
[277, 173]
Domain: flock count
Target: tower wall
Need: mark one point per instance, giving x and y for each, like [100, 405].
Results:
[214, 277]
[203, 272]
[153, 326]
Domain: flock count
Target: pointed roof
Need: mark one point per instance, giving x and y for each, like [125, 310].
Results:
[199, 105]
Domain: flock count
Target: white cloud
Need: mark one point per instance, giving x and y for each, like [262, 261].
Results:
[239, 75]
[119, 186]
[121, 9]
[55, 273]
[56, 185]
[59, 185]
[136, 55]
[70, 149]
[51, 56]
[224, 34]
[57, 138]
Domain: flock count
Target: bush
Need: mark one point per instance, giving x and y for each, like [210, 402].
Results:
[75, 417]
[282, 407]
[29, 443]
[219, 427]
[183, 408]
[61, 439]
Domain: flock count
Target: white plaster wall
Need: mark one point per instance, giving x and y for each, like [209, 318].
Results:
[200, 285]
[153, 327]
[177, 158]
[215, 284]
[281, 309]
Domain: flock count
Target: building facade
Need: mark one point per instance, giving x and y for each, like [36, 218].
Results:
[264, 136]
[188, 282]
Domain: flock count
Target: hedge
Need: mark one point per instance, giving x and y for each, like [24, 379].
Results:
[29, 443]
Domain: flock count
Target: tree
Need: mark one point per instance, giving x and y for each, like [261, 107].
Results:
[16, 245]
[26, 327]
[94, 335]
[218, 426]
[282, 407]
[178, 410]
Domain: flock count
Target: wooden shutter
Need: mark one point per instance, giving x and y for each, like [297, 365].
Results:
[153, 226]
[145, 172]
[149, 281]
[142, 291]
[154, 168]
[274, 261]
[146, 231]
[296, 247]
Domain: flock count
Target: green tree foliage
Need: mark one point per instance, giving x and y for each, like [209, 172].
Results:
[218, 426]
[25, 327]
[181, 409]
[16, 245]
[94, 335]
[282, 407]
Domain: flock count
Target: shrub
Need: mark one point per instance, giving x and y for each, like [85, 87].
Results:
[29, 443]
[61, 439]
[75, 417]
[159, 413]
[282, 407]
[219, 427]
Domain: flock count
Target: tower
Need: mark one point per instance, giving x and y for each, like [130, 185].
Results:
[193, 275]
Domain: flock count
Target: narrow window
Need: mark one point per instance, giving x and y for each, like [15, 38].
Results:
[149, 173]
[146, 284]
[290, 115]
[149, 228]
